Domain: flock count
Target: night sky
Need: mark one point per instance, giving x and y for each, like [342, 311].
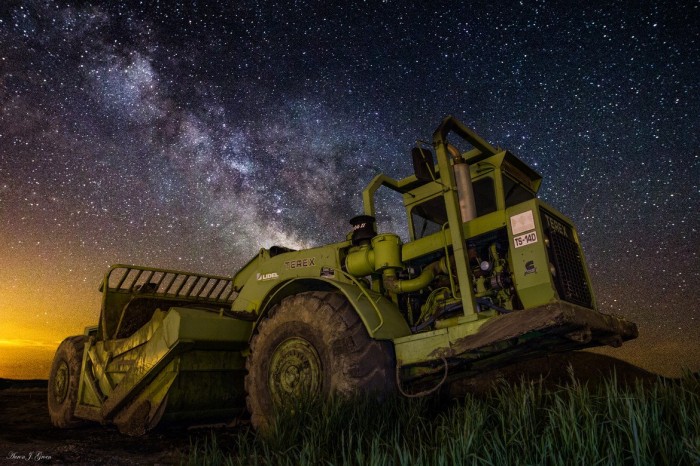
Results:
[188, 134]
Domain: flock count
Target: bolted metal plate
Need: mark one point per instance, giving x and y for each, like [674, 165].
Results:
[60, 382]
[295, 371]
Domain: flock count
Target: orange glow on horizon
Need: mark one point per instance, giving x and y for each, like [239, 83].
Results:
[39, 309]
[25, 362]
[23, 343]
[45, 297]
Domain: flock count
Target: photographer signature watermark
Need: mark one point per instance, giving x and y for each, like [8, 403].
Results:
[30, 456]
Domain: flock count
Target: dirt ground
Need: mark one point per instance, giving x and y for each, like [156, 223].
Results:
[27, 435]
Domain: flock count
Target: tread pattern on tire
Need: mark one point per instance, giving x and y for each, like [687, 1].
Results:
[71, 351]
[359, 364]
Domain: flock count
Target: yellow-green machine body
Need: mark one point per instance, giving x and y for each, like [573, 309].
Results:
[488, 274]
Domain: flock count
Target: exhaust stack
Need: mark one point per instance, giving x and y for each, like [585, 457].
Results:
[465, 192]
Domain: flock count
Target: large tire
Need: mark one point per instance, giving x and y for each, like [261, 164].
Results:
[313, 343]
[63, 381]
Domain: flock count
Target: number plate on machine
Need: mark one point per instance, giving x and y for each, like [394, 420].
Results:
[524, 240]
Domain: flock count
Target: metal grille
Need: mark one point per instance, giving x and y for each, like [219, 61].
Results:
[564, 253]
[171, 284]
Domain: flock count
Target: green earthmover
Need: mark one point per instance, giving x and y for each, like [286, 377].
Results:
[491, 275]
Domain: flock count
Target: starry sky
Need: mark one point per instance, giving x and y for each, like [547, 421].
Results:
[189, 134]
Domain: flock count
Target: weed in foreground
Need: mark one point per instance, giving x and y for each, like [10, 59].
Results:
[515, 424]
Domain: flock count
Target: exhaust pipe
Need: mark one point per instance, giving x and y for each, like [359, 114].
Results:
[465, 191]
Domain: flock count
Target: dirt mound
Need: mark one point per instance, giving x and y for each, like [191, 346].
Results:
[556, 369]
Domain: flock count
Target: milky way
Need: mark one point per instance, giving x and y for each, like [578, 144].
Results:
[191, 134]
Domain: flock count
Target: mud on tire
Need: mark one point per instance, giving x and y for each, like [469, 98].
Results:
[313, 343]
[63, 381]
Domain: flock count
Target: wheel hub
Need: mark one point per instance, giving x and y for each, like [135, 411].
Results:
[295, 371]
[60, 382]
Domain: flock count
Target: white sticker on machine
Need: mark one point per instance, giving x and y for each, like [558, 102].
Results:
[524, 240]
[522, 222]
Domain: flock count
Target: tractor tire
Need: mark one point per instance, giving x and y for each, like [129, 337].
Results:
[313, 344]
[64, 380]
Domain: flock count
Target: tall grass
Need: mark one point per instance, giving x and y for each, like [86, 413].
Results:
[514, 424]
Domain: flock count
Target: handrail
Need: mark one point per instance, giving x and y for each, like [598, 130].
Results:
[363, 290]
[451, 124]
